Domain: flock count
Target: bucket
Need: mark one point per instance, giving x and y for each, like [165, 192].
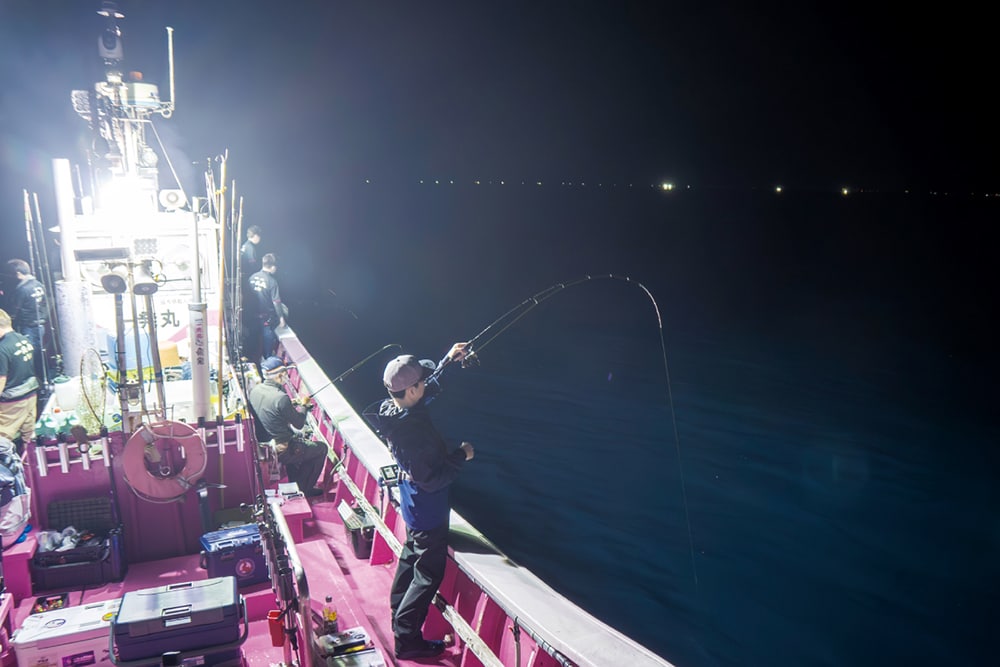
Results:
[67, 392]
[276, 624]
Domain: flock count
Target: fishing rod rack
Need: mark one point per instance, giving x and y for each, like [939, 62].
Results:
[288, 583]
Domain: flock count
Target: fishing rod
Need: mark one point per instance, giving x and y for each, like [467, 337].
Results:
[355, 367]
[348, 310]
[512, 316]
[52, 313]
[39, 263]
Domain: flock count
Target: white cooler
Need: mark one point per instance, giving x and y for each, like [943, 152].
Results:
[74, 636]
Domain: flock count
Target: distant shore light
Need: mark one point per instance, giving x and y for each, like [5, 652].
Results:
[778, 189]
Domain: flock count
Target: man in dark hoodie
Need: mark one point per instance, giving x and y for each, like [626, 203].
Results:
[427, 468]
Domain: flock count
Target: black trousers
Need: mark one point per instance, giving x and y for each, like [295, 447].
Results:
[418, 575]
[304, 461]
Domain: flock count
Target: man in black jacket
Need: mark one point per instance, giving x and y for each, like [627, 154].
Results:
[28, 311]
[303, 458]
[427, 468]
[249, 265]
[269, 310]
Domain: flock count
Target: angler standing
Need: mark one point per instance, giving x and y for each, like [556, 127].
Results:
[249, 253]
[270, 311]
[249, 265]
[18, 384]
[427, 469]
[28, 311]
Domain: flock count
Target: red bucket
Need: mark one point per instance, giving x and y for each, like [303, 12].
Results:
[276, 626]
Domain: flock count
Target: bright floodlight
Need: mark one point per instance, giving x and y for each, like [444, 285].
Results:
[142, 282]
[110, 9]
[667, 187]
[115, 280]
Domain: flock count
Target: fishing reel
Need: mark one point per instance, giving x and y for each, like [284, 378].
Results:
[471, 360]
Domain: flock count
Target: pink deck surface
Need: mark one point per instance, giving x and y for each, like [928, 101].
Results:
[358, 589]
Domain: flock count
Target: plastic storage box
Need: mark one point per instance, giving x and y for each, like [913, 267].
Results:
[235, 552]
[102, 559]
[194, 616]
[69, 636]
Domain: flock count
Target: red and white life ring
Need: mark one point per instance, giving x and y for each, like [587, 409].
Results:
[163, 487]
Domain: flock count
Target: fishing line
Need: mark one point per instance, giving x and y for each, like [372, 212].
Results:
[512, 316]
[348, 310]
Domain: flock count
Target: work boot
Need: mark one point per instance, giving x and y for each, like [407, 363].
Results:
[424, 648]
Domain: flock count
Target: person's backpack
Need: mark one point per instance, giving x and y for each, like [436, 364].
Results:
[15, 496]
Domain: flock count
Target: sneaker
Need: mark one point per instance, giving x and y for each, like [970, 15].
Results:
[313, 492]
[427, 648]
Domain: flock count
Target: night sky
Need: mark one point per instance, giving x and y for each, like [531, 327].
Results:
[329, 110]
[703, 94]
[317, 101]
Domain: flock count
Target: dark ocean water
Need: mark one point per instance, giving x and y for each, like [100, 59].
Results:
[816, 484]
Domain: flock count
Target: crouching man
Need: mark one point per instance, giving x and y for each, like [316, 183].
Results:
[303, 458]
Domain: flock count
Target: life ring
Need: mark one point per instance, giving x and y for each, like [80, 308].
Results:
[166, 484]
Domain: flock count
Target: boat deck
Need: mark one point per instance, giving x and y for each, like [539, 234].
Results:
[356, 586]
[498, 612]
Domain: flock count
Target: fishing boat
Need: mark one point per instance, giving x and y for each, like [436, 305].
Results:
[162, 528]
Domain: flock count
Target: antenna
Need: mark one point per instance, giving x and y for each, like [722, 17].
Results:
[167, 109]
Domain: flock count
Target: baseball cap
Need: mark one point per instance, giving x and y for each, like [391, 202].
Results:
[405, 371]
[274, 365]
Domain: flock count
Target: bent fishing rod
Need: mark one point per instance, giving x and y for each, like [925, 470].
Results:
[512, 316]
[508, 319]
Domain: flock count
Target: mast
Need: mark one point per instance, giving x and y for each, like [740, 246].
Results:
[126, 225]
[221, 212]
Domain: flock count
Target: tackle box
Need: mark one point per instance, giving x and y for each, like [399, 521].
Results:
[203, 615]
[236, 552]
[359, 528]
[97, 559]
[68, 636]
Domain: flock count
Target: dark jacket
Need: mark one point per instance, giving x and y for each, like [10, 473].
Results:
[267, 301]
[249, 259]
[27, 303]
[424, 457]
[275, 410]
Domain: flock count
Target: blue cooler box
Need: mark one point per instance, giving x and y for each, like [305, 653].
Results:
[235, 552]
[188, 617]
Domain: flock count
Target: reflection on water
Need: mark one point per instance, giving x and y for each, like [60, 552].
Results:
[830, 496]
[828, 526]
